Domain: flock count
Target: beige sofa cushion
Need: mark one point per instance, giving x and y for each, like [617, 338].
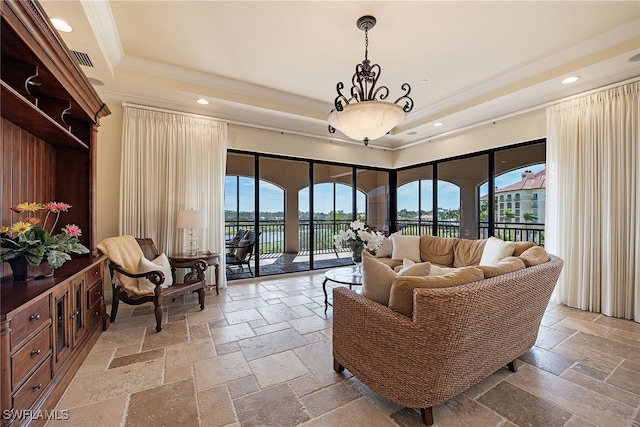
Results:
[495, 250]
[437, 250]
[405, 247]
[377, 277]
[534, 255]
[468, 252]
[401, 294]
[506, 265]
[520, 247]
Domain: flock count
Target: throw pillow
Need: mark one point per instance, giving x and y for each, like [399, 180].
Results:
[506, 265]
[377, 277]
[406, 247]
[386, 249]
[243, 248]
[495, 250]
[161, 264]
[520, 247]
[401, 295]
[534, 256]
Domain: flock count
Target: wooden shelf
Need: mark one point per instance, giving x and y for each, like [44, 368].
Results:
[26, 115]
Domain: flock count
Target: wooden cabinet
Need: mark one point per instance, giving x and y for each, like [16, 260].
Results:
[50, 118]
[46, 331]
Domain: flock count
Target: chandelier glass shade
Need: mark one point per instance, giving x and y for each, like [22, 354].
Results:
[366, 115]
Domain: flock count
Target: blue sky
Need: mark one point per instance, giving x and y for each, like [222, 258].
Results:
[272, 198]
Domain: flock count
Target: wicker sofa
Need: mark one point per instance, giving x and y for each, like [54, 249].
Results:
[455, 337]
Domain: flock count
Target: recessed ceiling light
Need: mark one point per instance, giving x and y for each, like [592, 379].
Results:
[61, 25]
[436, 124]
[202, 101]
[412, 133]
[423, 81]
[635, 58]
[570, 80]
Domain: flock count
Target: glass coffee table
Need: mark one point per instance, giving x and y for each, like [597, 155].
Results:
[344, 276]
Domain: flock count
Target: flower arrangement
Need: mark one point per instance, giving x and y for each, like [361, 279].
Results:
[358, 237]
[29, 239]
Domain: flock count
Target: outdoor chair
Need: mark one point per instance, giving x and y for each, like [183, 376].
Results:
[242, 252]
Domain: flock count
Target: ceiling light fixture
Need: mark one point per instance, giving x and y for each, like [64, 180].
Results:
[61, 25]
[202, 101]
[569, 80]
[365, 115]
[436, 124]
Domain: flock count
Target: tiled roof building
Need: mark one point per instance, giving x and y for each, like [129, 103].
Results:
[524, 196]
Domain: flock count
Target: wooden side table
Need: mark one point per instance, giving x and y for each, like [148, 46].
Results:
[182, 260]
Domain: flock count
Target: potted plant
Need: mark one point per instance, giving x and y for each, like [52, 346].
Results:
[358, 237]
[31, 248]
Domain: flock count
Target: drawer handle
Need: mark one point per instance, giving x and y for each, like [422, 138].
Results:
[73, 316]
[35, 352]
[96, 313]
[95, 273]
[34, 317]
[37, 387]
[98, 293]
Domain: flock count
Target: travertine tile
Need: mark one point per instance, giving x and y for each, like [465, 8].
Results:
[547, 360]
[172, 333]
[96, 361]
[277, 313]
[220, 369]
[360, 412]
[167, 405]
[189, 352]
[275, 406]
[625, 379]
[461, 411]
[105, 413]
[243, 386]
[523, 408]
[330, 398]
[112, 383]
[177, 373]
[137, 358]
[277, 368]
[242, 316]
[216, 407]
[225, 334]
[276, 342]
[199, 331]
[588, 327]
[309, 324]
[114, 339]
[602, 388]
[571, 397]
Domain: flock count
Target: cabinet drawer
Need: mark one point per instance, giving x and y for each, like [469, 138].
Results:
[94, 316]
[94, 294]
[27, 320]
[35, 385]
[93, 274]
[29, 356]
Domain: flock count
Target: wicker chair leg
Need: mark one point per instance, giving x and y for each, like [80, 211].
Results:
[512, 366]
[427, 415]
[337, 366]
[158, 317]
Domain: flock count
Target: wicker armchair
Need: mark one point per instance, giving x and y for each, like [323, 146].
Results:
[456, 337]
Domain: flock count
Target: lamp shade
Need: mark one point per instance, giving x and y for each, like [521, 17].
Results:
[367, 119]
[192, 219]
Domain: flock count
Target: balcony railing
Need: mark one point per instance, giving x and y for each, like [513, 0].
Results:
[272, 233]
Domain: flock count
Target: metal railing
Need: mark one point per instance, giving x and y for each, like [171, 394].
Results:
[272, 233]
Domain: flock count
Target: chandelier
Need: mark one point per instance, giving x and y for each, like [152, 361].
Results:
[366, 115]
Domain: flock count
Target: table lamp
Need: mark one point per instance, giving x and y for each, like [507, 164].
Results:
[192, 220]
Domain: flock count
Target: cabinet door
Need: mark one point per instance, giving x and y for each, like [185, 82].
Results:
[61, 331]
[78, 316]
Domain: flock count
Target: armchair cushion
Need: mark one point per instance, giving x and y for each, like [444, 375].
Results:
[468, 252]
[401, 295]
[377, 277]
[243, 248]
[161, 264]
[437, 250]
[504, 266]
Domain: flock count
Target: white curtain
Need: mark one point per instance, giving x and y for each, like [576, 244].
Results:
[593, 200]
[173, 162]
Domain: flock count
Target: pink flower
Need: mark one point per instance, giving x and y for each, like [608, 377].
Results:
[73, 230]
[56, 207]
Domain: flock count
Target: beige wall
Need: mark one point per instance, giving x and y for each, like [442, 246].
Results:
[521, 128]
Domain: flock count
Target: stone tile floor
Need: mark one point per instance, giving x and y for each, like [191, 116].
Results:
[259, 354]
